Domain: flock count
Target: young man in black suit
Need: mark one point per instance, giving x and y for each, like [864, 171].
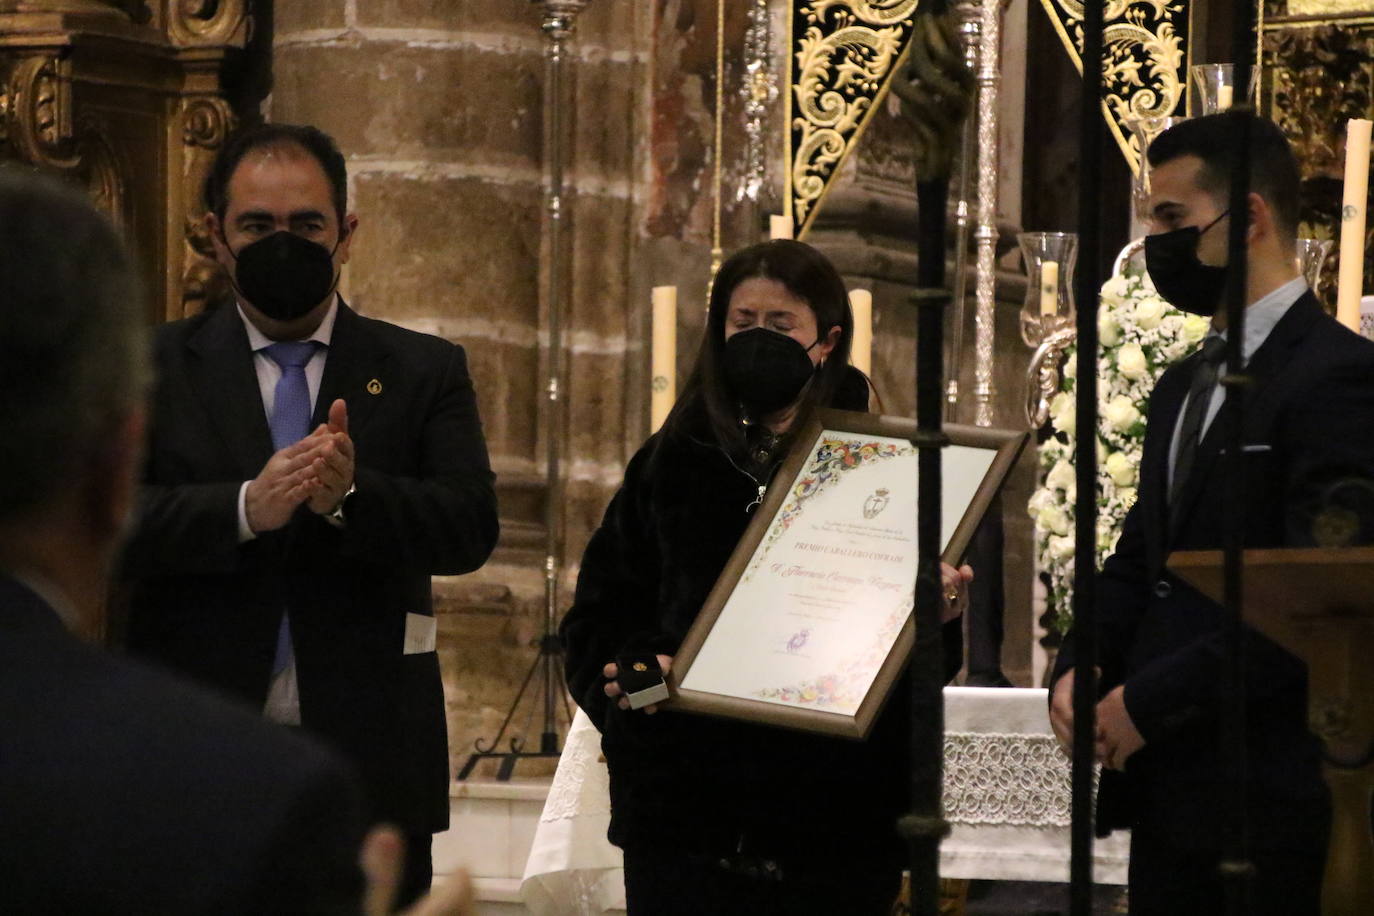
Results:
[1308, 427]
[309, 470]
[123, 790]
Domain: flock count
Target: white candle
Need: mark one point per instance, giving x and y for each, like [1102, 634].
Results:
[779, 226]
[861, 345]
[663, 359]
[1049, 289]
[1223, 98]
[1350, 282]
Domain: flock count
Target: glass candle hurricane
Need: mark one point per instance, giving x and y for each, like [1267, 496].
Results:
[1214, 88]
[1145, 130]
[1312, 254]
[1050, 258]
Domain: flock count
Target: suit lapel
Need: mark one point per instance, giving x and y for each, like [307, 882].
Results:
[221, 374]
[1166, 402]
[355, 370]
[1266, 364]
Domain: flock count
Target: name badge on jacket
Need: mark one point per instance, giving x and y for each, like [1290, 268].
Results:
[420, 630]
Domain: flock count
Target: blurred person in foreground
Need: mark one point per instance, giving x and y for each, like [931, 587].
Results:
[123, 790]
[719, 816]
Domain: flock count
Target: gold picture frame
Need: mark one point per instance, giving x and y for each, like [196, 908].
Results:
[832, 443]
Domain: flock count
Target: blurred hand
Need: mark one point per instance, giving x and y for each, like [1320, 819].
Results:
[382, 858]
[612, 688]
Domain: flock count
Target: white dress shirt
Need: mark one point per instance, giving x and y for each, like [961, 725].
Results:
[1260, 319]
[283, 698]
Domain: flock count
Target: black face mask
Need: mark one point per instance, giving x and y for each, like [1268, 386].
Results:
[283, 275]
[1184, 281]
[766, 370]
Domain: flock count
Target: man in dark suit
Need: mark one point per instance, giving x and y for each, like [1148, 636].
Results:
[121, 789]
[309, 469]
[1308, 427]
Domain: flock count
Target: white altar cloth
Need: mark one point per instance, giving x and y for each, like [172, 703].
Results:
[1006, 796]
[1007, 792]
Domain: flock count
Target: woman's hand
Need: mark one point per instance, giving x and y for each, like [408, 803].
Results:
[612, 688]
[956, 590]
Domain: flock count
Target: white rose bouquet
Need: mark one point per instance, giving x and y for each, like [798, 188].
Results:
[1140, 335]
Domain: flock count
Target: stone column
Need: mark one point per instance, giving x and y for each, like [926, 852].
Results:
[438, 106]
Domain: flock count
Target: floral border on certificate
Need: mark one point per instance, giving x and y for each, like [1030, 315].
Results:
[832, 457]
[847, 688]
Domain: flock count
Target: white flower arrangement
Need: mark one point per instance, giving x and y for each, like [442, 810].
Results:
[1140, 335]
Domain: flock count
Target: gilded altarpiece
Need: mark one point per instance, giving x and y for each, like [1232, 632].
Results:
[124, 98]
[844, 53]
[1144, 64]
[1317, 73]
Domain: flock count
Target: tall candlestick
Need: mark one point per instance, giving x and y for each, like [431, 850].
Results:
[1350, 282]
[1224, 96]
[1049, 289]
[861, 345]
[779, 226]
[663, 374]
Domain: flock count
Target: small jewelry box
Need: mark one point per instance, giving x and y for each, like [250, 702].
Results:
[641, 679]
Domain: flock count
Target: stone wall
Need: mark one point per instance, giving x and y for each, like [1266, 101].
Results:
[439, 107]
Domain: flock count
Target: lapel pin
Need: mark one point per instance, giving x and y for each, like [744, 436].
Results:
[374, 387]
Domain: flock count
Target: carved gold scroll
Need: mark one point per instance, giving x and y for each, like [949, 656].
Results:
[1145, 60]
[1318, 66]
[844, 53]
[123, 98]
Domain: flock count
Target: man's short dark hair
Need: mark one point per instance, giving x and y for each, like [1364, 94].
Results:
[312, 140]
[73, 337]
[1273, 170]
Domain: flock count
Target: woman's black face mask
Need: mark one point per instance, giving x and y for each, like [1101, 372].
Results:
[283, 275]
[766, 370]
[1184, 281]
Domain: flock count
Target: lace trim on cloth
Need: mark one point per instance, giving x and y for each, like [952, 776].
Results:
[581, 787]
[1014, 780]
[1007, 779]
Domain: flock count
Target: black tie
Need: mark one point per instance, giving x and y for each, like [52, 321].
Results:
[1199, 397]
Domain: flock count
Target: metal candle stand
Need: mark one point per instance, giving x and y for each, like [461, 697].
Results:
[559, 19]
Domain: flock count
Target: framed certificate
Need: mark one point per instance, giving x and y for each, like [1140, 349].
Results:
[810, 624]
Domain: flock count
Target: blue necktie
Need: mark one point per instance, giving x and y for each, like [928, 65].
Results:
[290, 422]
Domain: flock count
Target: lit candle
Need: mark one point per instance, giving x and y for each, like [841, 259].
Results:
[779, 226]
[1049, 289]
[663, 360]
[1223, 98]
[1350, 282]
[861, 345]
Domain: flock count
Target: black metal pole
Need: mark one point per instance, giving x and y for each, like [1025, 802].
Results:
[1091, 130]
[1236, 869]
[925, 826]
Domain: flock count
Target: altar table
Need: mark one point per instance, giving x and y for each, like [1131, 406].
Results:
[1006, 797]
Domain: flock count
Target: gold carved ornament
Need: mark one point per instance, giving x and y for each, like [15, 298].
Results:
[195, 23]
[844, 54]
[37, 126]
[1145, 60]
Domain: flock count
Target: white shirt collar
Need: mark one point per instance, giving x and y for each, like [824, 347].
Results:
[1267, 311]
[258, 340]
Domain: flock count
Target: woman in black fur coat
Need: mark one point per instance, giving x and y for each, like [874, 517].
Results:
[719, 816]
